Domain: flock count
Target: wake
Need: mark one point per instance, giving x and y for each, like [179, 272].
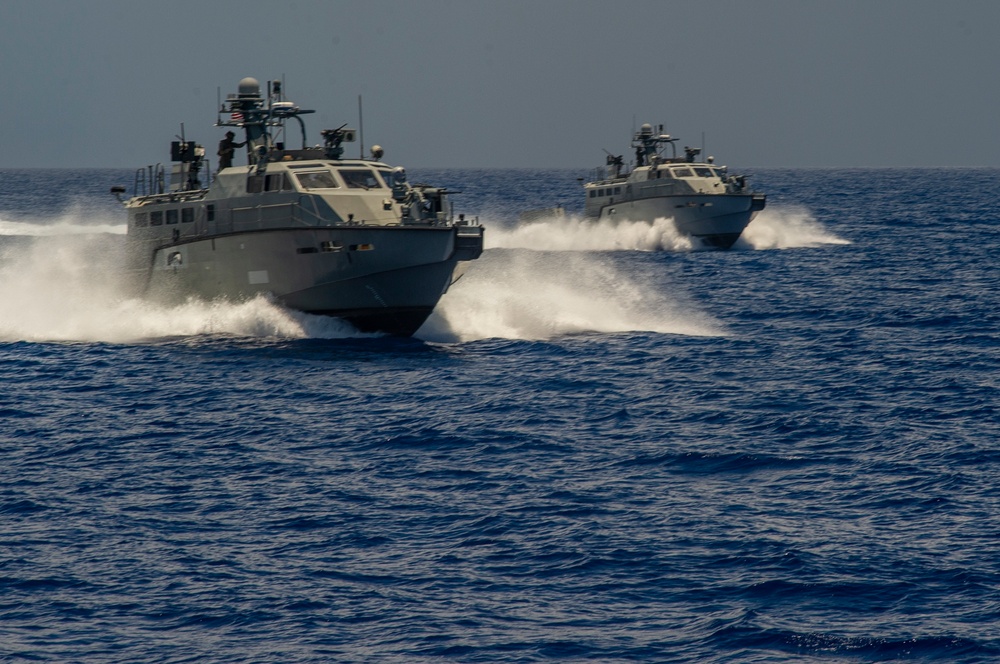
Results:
[68, 286]
[75, 220]
[773, 228]
[786, 228]
[572, 233]
[538, 296]
[71, 288]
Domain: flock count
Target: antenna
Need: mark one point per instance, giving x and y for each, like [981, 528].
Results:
[361, 129]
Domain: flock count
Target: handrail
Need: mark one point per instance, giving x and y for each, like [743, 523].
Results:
[146, 177]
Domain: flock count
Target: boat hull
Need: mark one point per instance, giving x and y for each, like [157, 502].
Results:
[381, 279]
[713, 221]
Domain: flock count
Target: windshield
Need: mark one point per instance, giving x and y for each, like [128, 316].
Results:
[360, 179]
[317, 180]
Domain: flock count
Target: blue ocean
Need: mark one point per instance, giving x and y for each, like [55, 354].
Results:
[603, 446]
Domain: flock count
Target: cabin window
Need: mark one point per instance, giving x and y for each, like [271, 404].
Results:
[156, 218]
[187, 215]
[360, 179]
[318, 180]
[172, 216]
[593, 193]
[704, 172]
[277, 182]
[141, 219]
[683, 173]
[210, 212]
[387, 178]
[618, 190]
[255, 184]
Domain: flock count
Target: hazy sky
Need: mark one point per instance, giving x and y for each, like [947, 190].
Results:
[513, 83]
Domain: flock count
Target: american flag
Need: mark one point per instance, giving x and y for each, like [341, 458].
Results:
[236, 116]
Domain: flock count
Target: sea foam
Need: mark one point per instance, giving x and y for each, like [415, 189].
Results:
[772, 228]
[71, 288]
[518, 294]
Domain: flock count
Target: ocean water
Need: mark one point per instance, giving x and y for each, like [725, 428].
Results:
[603, 446]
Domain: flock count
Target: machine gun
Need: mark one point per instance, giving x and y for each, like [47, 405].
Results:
[332, 139]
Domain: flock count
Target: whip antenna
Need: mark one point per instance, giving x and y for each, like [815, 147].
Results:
[361, 129]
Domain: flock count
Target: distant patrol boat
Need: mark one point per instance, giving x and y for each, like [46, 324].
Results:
[704, 201]
[349, 238]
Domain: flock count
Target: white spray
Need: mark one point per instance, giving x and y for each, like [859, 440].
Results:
[64, 286]
[515, 294]
[69, 288]
[575, 234]
[773, 228]
[786, 228]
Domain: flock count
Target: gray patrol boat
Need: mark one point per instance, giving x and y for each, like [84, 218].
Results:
[318, 232]
[705, 202]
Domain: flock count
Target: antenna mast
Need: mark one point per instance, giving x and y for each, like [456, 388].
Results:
[361, 129]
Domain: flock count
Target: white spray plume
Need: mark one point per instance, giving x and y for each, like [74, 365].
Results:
[785, 228]
[773, 228]
[77, 219]
[572, 233]
[70, 288]
[515, 294]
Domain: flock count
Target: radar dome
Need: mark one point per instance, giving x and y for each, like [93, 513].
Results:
[249, 87]
[645, 129]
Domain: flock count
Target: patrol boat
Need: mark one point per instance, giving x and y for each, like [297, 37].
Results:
[705, 202]
[318, 232]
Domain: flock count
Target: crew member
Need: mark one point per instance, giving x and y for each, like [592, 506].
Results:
[227, 147]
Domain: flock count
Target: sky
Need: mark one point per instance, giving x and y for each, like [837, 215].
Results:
[513, 83]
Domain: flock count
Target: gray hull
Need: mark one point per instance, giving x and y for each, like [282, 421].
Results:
[385, 279]
[714, 221]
